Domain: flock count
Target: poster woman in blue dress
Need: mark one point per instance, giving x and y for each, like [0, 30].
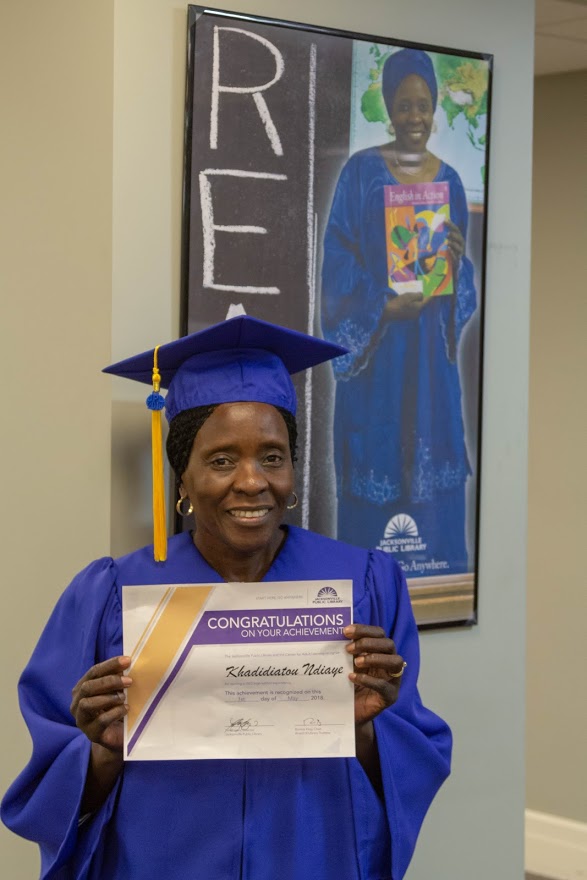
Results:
[400, 454]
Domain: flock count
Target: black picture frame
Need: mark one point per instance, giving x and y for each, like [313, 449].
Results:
[274, 109]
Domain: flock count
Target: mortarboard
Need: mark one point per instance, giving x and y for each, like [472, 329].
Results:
[241, 359]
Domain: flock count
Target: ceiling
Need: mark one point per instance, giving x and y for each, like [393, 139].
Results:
[561, 36]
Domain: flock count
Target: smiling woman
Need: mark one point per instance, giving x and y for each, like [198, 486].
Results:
[231, 406]
[399, 436]
[239, 479]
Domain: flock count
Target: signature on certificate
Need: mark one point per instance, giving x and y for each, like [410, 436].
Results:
[241, 724]
[311, 722]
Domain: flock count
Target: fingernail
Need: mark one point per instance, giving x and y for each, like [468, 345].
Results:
[351, 647]
[349, 630]
[126, 680]
[352, 676]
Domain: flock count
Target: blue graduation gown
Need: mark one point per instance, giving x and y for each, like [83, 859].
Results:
[223, 820]
[398, 426]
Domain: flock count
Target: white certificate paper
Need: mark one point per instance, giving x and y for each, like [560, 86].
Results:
[254, 670]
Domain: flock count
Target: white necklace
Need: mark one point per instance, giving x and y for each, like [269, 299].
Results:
[410, 164]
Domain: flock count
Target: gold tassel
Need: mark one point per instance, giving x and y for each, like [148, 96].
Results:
[156, 402]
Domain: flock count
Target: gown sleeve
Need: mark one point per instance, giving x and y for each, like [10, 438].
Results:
[353, 296]
[414, 744]
[466, 296]
[44, 801]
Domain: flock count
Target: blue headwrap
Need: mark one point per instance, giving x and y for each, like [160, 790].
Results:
[402, 64]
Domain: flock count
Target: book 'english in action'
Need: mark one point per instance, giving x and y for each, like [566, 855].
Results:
[418, 258]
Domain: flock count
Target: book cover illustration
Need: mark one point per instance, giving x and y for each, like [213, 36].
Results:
[418, 259]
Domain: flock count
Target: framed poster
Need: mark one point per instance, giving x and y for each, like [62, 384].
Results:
[336, 183]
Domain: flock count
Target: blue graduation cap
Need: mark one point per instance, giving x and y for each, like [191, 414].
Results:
[241, 359]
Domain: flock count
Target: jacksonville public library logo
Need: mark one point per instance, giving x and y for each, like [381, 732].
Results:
[401, 536]
[327, 596]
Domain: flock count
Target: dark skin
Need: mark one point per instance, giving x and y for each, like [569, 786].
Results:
[375, 660]
[240, 464]
[412, 115]
[239, 479]
[98, 707]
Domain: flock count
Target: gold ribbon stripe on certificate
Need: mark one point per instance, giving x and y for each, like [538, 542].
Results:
[175, 622]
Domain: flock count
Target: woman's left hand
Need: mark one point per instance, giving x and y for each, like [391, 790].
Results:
[378, 668]
[455, 241]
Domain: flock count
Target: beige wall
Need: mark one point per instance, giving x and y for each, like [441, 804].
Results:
[557, 598]
[55, 263]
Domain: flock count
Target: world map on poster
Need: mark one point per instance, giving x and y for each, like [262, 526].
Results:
[460, 118]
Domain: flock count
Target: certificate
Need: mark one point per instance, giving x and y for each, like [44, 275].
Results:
[241, 670]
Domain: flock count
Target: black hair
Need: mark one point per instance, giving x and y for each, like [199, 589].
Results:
[184, 427]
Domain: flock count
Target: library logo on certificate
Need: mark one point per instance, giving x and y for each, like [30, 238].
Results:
[327, 596]
[401, 536]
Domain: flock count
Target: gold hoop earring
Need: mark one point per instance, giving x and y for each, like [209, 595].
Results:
[295, 504]
[178, 506]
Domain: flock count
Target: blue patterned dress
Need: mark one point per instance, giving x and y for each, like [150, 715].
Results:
[398, 428]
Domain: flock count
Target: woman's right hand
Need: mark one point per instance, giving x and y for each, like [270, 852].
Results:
[405, 307]
[98, 704]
